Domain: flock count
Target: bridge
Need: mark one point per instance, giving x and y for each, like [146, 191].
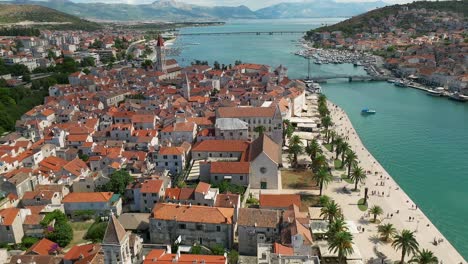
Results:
[241, 33]
[351, 78]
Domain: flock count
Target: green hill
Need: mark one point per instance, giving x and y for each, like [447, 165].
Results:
[43, 17]
[364, 22]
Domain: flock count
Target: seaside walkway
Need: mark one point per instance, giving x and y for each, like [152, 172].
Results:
[241, 33]
[351, 78]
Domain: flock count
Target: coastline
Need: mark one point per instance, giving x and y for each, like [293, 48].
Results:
[393, 200]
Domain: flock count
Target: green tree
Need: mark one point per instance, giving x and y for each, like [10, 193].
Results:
[324, 200]
[320, 162]
[216, 65]
[337, 226]
[260, 130]
[344, 149]
[323, 178]
[338, 143]
[332, 139]
[424, 257]
[295, 148]
[218, 250]
[233, 257]
[288, 130]
[341, 243]
[96, 232]
[88, 62]
[326, 123]
[331, 211]
[386, 231]
[407, 243]
[146, 64]
[358, 175]
[376, 211]
[62, 232]
[118, 182]
[350, 160]
[312, 149]
[28, 241]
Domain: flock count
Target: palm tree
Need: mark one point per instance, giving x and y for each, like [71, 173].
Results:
[326, 123]
[341, 242]
[424, 257]
[386, 231]
[323, 200]
[312, 149]
[295, 147]
[332, 139]
[350, 160]
[260, 130]
[406, 242]
[323, 110]
[358, 175]
[288, 130]
[331, 211]
[323, 178]
[335, 227]
[338, 142]
[344, 149]
[376, 210]
[320, 162]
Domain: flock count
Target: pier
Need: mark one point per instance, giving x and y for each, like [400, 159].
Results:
[241, 33]
[351, 78]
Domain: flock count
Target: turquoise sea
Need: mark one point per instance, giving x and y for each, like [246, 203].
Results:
[422, 141]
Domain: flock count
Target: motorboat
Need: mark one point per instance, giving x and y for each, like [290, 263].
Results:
[439, 91]
[458, 97]
[367, 111]
[401, 83]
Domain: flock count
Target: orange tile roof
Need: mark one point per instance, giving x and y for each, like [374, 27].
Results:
[151, 186]
[221, 146]
[52, 163]
[194, 214]
[222, 167]
[283, 250]
[279, 200]
[171, 151]
[233, 112]
[159, 256]
[83, 251]
[43, 247]
[87, 197]
[202, 187]
[9, 215]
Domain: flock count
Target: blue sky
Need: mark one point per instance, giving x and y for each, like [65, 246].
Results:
[253, 4]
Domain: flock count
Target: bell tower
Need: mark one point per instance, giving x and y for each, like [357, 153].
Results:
[161, 55]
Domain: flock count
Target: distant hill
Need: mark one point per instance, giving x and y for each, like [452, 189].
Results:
[317, 8]
[161, 10]
[364, 22]
[171, 10]
[43, 16]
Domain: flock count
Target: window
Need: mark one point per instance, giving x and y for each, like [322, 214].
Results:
[216, 178]
[7, 228]
[210, 155]
[153, 194]
[231, 134]
[199, 227]
[230, 155]
[165, 157]
[241, 178]
[87, 186]
[144, 195]
[166, 164]
[263, 170]
[218, 228]
[176, 163]
[174, 157]
[182, 226]
[198, 154]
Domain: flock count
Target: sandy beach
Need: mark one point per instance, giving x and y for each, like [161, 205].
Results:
[398, 208]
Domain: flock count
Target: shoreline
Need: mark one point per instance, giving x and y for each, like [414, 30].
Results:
[395, 199]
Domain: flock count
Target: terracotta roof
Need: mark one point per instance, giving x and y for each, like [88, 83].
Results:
[202, 188]
[258, 217]
[227, 200]
[83, 251]
[194, 214]
[115, 232]
[151, 186]
[45, 194]
[279, 200]
[221, 146]
[87, 197]
[283, 250]
[159, 256]
[38, 259]
[233, 112]
[230, 167]
[43, 247]
[33, 219]
[265, 144]
[171, 151]
[9, 215]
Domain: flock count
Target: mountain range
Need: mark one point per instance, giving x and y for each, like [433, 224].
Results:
[171, 10]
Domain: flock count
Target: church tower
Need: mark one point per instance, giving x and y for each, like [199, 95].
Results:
[116, 243]
[161, 55]
[186, 88]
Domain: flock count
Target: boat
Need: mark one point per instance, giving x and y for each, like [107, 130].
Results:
[367, 111]
[439, 91]
[401, 83]
[458, 97]
[391, 81]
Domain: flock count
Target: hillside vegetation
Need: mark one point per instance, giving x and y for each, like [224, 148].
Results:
[18, 13]
[364, 22]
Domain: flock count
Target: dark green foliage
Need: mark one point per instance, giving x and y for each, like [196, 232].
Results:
[29, 241]
[62, 232]
[233, 257]
[15, 69]
[226, 186]
[196, 250]
[88, 62]
[218, 250]
[19, 31]
[199, 62]
[96, 232]
[118, 182]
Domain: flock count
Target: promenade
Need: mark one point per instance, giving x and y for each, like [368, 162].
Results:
[398, 207]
